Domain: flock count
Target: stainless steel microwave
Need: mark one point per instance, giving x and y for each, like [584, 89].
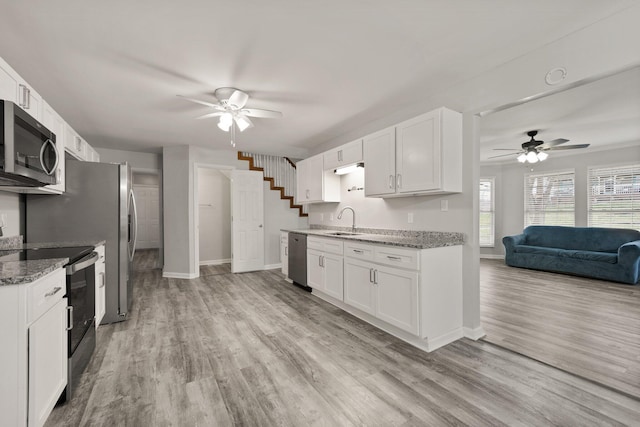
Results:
[28, 154]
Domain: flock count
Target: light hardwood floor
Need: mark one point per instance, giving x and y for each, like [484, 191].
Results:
[252, 350]
[585, 326]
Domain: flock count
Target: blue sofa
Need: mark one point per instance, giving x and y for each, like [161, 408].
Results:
[601, 253]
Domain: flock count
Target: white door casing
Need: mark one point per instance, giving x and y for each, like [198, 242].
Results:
[247, 221]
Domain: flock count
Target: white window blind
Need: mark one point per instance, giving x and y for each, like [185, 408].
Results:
[614, 197]
[549, 199]
[487, 214]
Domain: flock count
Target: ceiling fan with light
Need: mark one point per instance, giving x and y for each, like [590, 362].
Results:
[230, 109]
[534, 150]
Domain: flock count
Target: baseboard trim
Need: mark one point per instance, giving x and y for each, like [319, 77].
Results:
[216, 262]
[174, 275]
[272, 266]
[474, 333]
[491, 256]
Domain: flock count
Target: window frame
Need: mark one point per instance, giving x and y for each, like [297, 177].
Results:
[635, 210]
[492, 180]
[527, 191]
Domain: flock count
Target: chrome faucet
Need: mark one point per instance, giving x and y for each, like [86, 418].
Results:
[353, 227]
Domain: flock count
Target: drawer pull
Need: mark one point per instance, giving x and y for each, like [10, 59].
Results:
[395, 258]
[69, 318]
[358, 251]
[53, 292]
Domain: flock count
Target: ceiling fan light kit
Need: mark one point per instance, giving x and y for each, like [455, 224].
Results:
[230, 111]
[534, 151]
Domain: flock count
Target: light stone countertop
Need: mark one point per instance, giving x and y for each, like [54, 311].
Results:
[404, 238]
[21, 272]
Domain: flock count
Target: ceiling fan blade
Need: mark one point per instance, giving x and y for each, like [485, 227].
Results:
[554, 143]
[502, 155]
[567, 147]
[508, 149]
[208, 104]
[238, 99]
[265, 114]
[206, 116]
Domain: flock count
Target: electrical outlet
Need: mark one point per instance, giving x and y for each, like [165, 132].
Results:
[444, 205]
[410, 218]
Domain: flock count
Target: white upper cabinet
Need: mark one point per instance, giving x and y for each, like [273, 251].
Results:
[380, 163]
[13, 88]
[314, 185]
[8, 83]
[419, 156]
[347, 154]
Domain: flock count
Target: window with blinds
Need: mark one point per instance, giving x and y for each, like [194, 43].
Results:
[549, 199]
[614, 197]
[487, 214]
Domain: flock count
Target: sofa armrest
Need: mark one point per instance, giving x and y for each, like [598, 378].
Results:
[629, 253]
[510, 242]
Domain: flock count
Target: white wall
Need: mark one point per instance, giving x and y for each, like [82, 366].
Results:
[10, 205]
[605, 47]
[180, 240]
[214, 205]
[510, 186]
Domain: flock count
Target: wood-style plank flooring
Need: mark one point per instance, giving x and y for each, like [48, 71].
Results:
[585, 326]
[253, 350]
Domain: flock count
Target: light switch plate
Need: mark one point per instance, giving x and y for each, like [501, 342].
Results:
[444, 205]
[410, 218]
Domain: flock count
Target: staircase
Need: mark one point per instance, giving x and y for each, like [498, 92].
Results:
[280, 172]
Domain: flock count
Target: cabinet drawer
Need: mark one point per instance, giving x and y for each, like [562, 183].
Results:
[333, 246]
[397, 257]
[359, 251]
[45, 293]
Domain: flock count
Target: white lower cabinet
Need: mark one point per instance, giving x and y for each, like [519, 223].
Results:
[390, 294]
[33, 362]
[325, 271]
[418, 291]
[47, 362]
[101, 280]
[284, 252]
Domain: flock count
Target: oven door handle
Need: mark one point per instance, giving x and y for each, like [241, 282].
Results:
[83, 263]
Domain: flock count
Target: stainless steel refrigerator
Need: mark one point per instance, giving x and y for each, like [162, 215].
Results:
[98, 204]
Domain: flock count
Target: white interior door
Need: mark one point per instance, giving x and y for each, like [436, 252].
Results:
[148, 204]
[247, 221]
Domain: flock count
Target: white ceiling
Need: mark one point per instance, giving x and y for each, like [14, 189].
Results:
[113, 69]
[604, 113]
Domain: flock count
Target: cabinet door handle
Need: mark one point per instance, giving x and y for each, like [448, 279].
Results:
[375, 277]
[307, 194]
[25, 101]
[371, 275]
[102, 277]
[391, 182]
[53, 292]
[286, 250]
[399, 181]
[358, 251]
[395, 258]
[69, 318]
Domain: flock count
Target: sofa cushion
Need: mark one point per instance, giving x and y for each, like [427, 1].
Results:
[527, 249]
[590, 255]
[595, 239]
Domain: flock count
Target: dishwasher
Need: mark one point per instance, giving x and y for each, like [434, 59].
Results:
[298, 259]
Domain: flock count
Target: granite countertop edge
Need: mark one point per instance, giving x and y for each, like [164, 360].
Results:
[401, 238]
[22, 272]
